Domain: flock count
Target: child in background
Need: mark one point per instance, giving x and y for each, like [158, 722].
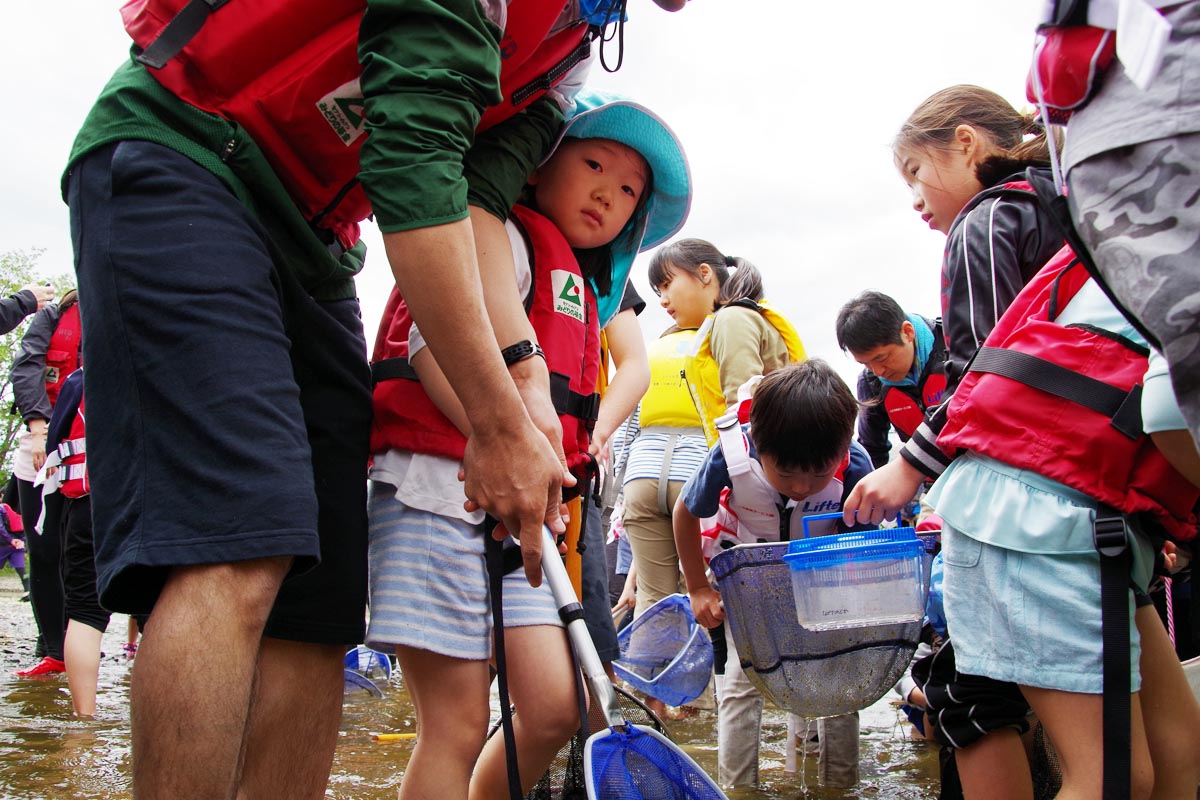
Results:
[963, 153]
[617, 178]
[12, 546]
[801, 454]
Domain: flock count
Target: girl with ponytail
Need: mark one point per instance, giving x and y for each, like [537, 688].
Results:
[963, 152]
[746, 339]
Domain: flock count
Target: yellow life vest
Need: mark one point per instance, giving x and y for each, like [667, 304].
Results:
[703, 374]
[667, 403]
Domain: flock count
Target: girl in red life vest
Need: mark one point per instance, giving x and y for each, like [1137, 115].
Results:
[49, 353]
[1020, 504]
[963, 153]
[616, 180]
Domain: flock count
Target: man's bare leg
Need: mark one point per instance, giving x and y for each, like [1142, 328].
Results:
[294, 714]
[191, 683]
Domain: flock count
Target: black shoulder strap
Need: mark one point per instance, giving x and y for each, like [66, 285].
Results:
[1124, 409]
[389, 369]
[178, 32]
[1111, 537]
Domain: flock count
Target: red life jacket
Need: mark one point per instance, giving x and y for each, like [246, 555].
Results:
[73, 452]
[62, 353]
[904, 411]
[287, 71]
[1082, 427]
[562, 310]
[12, 519]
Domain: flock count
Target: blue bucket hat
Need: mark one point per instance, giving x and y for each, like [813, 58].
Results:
[605, 115]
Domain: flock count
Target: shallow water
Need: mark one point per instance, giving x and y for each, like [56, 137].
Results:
[46, 753]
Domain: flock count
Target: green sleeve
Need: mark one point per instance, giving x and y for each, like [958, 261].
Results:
[503, 157]
[429, 70]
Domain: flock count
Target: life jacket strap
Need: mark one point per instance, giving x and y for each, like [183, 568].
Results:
[178, 32]
[389, 369]
[571, 403]
[1124, 409]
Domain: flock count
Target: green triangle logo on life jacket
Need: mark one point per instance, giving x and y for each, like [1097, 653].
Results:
[568, 293]
[343, 110]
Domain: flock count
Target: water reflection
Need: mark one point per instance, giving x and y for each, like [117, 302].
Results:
[46, 753]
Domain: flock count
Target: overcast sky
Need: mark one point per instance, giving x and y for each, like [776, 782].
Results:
[786, 110]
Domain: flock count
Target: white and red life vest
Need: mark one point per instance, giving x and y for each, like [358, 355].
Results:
[287, 71]
[68, 461]
[1064, 402]
[752, 511]
[62, 352]
[562, 310]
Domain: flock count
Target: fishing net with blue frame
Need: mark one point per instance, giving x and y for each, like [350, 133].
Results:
[665, 653]
[640, 764]
[563, 779]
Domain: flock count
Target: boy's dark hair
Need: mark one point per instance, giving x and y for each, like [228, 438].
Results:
[873, 319]
[803, 416]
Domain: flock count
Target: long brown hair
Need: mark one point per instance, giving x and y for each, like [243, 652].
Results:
[1017, 139]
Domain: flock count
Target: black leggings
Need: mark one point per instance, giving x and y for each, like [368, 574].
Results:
[44, 551]
[79, 565]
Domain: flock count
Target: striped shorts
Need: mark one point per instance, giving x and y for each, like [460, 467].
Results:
[429, 583]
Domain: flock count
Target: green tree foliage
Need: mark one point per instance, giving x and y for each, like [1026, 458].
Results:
[19, 268]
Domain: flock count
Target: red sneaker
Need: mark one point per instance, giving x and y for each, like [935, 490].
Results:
[47, 666]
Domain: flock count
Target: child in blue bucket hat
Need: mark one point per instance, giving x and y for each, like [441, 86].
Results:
[616, 183]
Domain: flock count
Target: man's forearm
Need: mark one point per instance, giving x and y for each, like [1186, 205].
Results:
[438, 274]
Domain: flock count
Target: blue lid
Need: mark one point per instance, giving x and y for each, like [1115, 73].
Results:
[856, 554]
[822, 551]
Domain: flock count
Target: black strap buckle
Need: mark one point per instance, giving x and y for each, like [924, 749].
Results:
[1110, 534]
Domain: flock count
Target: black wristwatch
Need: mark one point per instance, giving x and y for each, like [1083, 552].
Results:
[520, 351]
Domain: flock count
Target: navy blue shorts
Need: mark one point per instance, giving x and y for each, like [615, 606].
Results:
[228, 410]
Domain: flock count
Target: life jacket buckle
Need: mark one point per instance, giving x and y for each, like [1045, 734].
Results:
[1110, 534]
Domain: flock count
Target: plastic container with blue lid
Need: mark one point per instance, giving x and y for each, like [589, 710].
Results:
[850, 580]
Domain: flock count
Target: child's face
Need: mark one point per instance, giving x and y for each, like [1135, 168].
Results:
[687, 298]
[942, 180]
[590, 188]
[796, 484]
[891, 361]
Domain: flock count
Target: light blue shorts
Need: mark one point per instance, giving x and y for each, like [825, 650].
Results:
[429, 585]
[1029, 618]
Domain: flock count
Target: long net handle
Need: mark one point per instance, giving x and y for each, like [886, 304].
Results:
[581, 641]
